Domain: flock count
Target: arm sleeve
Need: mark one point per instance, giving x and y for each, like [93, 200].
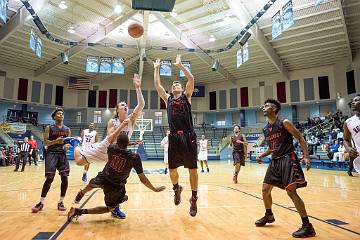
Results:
[138, 165]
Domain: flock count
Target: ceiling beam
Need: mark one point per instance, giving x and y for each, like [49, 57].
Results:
[96, 37]
[19, 19]
[188, 43]
[243, 14]
[342, 15]
[143, 42]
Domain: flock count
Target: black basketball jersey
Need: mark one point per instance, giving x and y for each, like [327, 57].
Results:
[179, 114]
[237, 145]
[55, 133]
[119, 165]
[278, 138]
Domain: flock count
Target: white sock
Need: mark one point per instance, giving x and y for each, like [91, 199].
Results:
[61, 199]
[42, 199]
[85, 171]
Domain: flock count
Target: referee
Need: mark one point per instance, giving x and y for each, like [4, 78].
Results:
[25, 150]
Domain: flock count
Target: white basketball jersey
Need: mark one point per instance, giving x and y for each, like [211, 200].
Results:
[353, 125]
[203, 145]
[128, 129]
[89, 137]
[165, 143]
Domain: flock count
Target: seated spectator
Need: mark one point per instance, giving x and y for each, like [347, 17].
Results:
[333, 149]
[340, 136]
[3, 160]
[339, 155]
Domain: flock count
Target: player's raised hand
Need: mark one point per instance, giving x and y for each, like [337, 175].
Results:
[160, 189]
[157, 63]
[178, 60]
[137, 80]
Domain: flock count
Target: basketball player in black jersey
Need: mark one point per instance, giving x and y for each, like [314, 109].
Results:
[239, 143]
[55, 158]
[284, 170]
[112, 179]
[182, 149]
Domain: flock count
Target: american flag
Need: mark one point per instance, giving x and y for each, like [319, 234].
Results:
[78, 83]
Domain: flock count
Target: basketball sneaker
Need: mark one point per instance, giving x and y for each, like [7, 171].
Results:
[61, 206]
[235, 179]
[177, 195]
[38, 207]
[306, 230]
[117, 213]
[84, 177]
[193, 206]
[268, 218]
[73, 141]
[208, 170]
[165, 172]
[79, 196]
[202, 170]
[350, 173]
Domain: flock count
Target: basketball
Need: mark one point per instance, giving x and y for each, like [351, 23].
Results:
[135, 30]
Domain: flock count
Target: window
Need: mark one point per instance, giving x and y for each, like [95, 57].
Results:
[220, 123]
[78, 118]
[158, 118]
[97, 116]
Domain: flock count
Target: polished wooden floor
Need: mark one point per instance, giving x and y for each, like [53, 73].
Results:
[225, 210]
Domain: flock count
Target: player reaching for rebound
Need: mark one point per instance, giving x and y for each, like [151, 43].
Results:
[88, 136]
[112, 179]
[203, 153]
[284, 170]
[239, 143]
[182, 138]
[98, 151]
[165, 145]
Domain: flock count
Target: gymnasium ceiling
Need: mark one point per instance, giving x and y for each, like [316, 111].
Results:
[321, 35]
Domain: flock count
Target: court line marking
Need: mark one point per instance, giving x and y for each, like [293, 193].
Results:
[279, 205]
[57, 234]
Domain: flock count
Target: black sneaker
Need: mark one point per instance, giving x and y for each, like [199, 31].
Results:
[177, 196]
[79, 196]
[208, 170]
[38, 207]
[268, 218]
[306, 230]
[193, 206]
[350, 174]
[61, 206]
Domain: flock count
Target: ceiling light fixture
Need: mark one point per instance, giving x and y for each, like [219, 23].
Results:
[117, 9]
[71, 29]
[63, 5]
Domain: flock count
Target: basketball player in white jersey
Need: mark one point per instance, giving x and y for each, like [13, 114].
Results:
[88, 136]
[203, 153]
[352, 132]
[120, 123]
[165, 145]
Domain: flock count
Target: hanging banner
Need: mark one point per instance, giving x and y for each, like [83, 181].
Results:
[199, 91]
[165, 68]
[38, 48]
[239, 59]
[105, 64]
[17, 128]
[32, 40]
[245, 53]
[92, 64]
[187, 66]
[118, 66]
[276, 25]
[287, 19]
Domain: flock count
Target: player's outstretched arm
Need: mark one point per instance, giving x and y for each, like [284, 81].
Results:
[140, 98]
[189, 89]
[264, 154]
[159, 88]
[144, 180]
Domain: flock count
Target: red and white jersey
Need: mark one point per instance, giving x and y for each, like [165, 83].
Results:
[353, 124]
[89, 137]
[203, 144]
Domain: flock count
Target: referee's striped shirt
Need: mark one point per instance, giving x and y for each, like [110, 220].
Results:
[25, 147]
